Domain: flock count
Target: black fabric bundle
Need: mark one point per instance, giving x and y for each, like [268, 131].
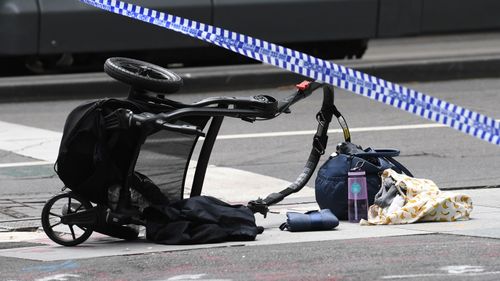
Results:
[201, 219]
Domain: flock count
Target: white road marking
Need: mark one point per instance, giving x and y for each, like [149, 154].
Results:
[186, 277]
[411, 276]
[193, 277]
[29, 141]
[43, 145]
[460, 269]
[25, 164]
[331, 131]
[59, 277]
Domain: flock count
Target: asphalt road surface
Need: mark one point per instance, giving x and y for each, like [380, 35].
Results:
[450, 158]
[421, 257]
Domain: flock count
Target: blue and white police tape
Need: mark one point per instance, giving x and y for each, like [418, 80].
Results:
[459, 118]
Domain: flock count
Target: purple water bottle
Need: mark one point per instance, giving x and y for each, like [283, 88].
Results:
[357, 200]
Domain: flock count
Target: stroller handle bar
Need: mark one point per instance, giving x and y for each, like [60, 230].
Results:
[245, 108]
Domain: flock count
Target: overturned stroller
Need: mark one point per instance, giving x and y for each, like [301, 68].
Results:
[118, 156]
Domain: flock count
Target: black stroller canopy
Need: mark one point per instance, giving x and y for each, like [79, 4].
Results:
[165, 158]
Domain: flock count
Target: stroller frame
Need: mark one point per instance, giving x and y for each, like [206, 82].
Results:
[78, 211]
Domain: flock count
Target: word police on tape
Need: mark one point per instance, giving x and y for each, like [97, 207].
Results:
[459, 118]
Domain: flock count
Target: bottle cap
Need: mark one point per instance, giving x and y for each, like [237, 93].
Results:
[358, 173]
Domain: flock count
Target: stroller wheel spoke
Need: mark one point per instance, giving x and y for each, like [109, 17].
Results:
[81, 227]
[54, 225]
[79, 207]
[55, 215]
[72, 231]
[69, 205]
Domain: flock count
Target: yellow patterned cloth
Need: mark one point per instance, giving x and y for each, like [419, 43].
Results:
[419, 200]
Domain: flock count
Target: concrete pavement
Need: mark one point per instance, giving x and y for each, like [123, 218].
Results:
[36, 246]
[482, 224]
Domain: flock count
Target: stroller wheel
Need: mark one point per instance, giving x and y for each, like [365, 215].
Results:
[64, 233]
[143, 75]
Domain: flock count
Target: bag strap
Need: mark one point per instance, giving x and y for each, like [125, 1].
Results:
[284, 226]
[388, 155]
[378, 153]
[399, 166]
[320, 141]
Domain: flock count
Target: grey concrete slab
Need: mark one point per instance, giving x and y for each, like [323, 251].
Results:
[22, 237]
[11, 157]
[26, 172]
[17, 226]
[485, 197]
[101, 246]
[484, 223]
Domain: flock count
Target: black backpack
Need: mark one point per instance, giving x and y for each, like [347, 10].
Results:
[93, 155]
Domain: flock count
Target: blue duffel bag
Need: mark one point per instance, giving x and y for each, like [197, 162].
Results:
[331, 181]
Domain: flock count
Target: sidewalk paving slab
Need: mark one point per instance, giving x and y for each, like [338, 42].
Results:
[482, 224]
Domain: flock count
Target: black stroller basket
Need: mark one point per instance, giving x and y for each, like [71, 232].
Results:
[130, 136]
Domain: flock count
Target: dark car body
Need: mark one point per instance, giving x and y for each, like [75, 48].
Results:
[52, 27]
